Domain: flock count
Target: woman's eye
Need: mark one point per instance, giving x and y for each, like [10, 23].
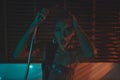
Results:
[58, 30]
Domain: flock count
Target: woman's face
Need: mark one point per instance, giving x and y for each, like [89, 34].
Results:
[59, 33]
[63, 30]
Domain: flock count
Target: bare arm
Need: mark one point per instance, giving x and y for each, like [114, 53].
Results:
[40, 16]
[85, 45]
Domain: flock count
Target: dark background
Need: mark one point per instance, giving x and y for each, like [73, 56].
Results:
[100, 19]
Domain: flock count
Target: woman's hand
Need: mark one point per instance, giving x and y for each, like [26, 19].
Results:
[40, 16]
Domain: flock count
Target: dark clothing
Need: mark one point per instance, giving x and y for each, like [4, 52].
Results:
[49, 59]
[52, 71]
[50, 52]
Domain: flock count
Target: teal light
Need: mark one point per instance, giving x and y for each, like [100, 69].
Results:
[31, 66]
[17, 72]
[0, 78]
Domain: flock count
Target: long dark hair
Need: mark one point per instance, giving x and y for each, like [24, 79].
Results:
[46, 29]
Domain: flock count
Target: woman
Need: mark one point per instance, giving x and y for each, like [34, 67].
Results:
[61, 52]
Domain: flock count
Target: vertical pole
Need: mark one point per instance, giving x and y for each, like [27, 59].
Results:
[94, 25]
[65, 6]
[5, 27]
